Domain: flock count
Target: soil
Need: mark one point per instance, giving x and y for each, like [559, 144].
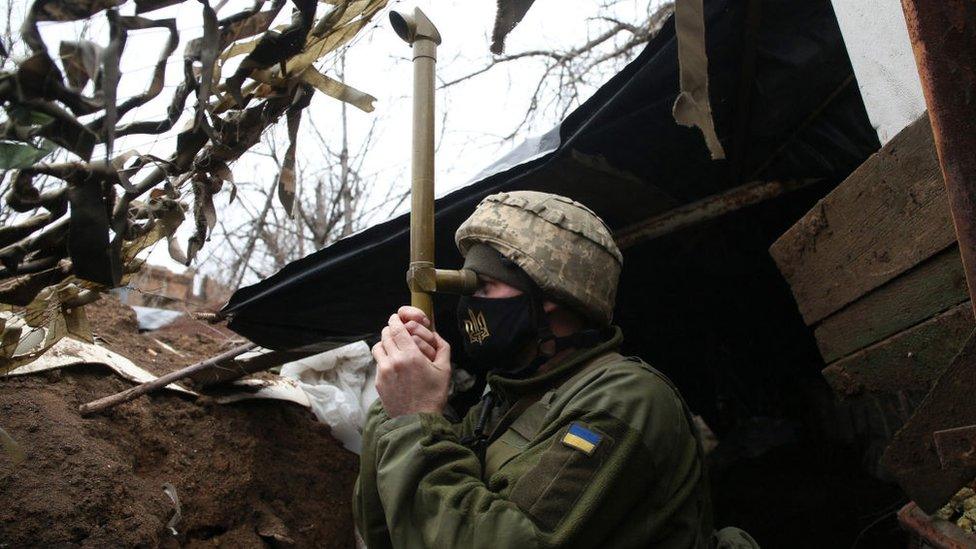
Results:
[252, 474]
[114, 326]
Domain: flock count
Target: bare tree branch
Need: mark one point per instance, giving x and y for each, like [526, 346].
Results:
[567, 76]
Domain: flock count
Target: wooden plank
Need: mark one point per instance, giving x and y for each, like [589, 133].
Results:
[910, 360]
[932, 287]
[886, 217]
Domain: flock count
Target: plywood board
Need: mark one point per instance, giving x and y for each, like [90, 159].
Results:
[885, 218]
[932, 287]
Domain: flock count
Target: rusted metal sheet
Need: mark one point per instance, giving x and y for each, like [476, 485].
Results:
[937, 534]
[933, 455]
[913, 457]
[943, 35]
[956, 447]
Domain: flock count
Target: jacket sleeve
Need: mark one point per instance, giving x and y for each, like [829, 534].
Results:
[431, 490]
[367, 508]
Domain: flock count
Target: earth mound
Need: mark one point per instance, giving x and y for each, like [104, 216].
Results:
[252, 474]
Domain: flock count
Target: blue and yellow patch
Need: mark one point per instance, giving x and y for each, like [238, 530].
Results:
[581, 438]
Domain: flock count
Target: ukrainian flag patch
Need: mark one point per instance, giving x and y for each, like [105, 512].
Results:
[581, 438]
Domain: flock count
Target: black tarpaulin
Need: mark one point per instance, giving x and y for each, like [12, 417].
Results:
[620, 153]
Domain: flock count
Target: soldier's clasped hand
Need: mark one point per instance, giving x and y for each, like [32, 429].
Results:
[413, 365]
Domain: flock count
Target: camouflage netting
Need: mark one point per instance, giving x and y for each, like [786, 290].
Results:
[82, 235]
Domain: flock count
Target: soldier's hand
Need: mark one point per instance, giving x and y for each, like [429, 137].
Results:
[407, 381]
[418, 325]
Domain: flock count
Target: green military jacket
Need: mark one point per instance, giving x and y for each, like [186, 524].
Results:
[599, 451]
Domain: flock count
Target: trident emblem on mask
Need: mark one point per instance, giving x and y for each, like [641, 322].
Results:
[476, 327]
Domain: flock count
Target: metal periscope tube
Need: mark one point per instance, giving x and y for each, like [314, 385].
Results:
[422, 278]
[418, 31]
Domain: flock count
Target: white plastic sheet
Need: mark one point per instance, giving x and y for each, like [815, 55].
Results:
[150, 318]
[881, 53]
[340, 385]
[69, 351]
[274, 389]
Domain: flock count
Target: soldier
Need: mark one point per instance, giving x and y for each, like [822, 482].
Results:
[572, 444]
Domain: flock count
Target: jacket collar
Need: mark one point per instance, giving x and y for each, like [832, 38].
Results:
[511, 389]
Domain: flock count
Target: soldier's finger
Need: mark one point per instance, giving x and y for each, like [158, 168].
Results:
[379, 353]
[399, 334]
[408, 313]
[426, 348]
[385, 377]
[418, 329]
[383, 369]
[443, 355]
[386, 339]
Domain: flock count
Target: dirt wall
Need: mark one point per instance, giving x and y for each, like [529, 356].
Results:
[252, 474]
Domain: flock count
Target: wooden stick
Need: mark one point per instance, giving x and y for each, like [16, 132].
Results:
[149, 386]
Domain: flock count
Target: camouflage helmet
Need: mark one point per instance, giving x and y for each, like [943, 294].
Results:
[563, 246]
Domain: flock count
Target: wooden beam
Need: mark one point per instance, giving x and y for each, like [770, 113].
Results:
[706, 209]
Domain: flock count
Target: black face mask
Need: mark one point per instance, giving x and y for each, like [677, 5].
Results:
[495, 330]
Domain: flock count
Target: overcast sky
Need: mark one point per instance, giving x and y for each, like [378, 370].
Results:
[472, 116]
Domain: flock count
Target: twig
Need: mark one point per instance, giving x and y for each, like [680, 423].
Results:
[134, 392]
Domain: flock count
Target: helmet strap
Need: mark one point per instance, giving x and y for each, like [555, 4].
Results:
[582, 339]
